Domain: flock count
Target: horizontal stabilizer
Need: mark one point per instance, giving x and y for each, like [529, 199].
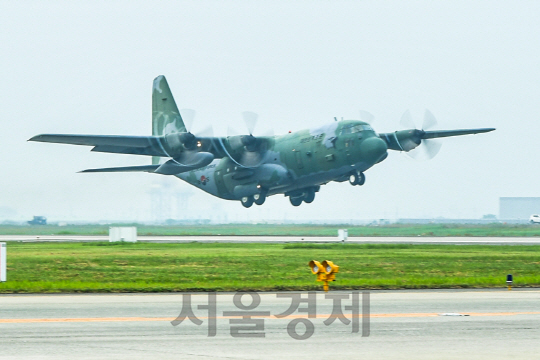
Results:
[171, 167]
[144, 168]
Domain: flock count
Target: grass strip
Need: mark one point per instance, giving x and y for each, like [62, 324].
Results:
[158, 267]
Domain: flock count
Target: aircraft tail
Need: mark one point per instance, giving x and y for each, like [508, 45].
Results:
[166, 118]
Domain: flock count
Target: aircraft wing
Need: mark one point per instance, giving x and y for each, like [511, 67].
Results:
[186, 151]
[406, 140]
[136, 145]
[446, 133]
[171, 145]
[199, 152]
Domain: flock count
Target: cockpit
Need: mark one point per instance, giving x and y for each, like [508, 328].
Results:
[354, 128]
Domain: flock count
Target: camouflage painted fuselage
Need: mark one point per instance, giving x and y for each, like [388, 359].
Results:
[294, 162]
[249, 168]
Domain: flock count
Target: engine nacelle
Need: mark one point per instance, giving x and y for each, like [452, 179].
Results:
[404, 140]
[185, 162]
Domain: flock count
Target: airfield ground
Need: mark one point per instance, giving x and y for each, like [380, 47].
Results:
[419, 324]
[169, 267]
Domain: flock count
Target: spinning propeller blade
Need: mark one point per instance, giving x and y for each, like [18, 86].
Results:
[424, 149]
[188, 150]
[367, 117]
[247, 150]
[250, 119]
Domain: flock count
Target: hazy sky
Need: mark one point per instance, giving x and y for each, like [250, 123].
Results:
[87, 67]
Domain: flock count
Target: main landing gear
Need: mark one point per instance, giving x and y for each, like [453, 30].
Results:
[357, 178]
[305, 195]
[247, 201]
[258, 199]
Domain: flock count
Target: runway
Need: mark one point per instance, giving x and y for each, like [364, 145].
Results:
[288, 239]
[430, 324]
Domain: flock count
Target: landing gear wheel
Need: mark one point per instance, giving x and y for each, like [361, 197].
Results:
[295, 201]
[309, 196]
[361, 179]
[357, 178]
[259, 198]
[247, 201]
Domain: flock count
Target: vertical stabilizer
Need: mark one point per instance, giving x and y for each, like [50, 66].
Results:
[166, 118]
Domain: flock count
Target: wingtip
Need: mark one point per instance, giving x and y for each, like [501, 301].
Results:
[87, 171]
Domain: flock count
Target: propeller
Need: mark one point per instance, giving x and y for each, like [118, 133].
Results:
[188, 116]
[187, 150]
[250, 119]
[249, 150]
[189, 139]
[367, 117]
[424, 149]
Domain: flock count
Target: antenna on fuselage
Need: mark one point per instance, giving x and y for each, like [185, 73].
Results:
[335, 118]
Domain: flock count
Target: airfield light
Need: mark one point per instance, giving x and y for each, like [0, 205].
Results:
[325, 272]
[509, 281]
[199, 144]
[330, 269]
[315, 267]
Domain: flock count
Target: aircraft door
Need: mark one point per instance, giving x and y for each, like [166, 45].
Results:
[299, 162]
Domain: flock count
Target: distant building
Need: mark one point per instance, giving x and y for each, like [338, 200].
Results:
[169, 203]
[38, 220]
[518, 208]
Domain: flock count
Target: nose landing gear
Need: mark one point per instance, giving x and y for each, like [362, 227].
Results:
[357, 178]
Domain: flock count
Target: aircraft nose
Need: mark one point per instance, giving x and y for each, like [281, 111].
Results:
[373, 149]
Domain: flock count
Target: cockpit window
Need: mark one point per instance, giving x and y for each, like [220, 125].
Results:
[351, 129]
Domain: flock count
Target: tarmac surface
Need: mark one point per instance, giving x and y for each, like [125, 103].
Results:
[421, 324]
[287, 239]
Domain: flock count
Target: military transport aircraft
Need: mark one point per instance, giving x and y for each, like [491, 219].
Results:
[250, 168]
